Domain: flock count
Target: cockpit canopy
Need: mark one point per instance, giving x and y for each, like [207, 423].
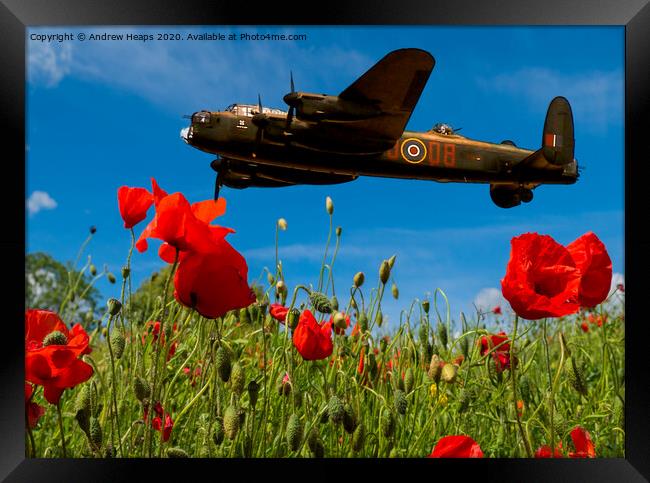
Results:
[249, 109]
[201, 117]
[442, 128]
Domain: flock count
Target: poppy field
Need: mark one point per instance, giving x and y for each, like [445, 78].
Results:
[198, 363]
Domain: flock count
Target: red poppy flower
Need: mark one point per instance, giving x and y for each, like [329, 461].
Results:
[134, 204]
[582, 443]
[459, 360]
[356, 330]
[595, 266]
[545, 451]
[585, 327]
[541, 278]
[54, 366]
[620, 287]
[32, 410]
[497, 310]
[279, 312]
[213, 283]
[153, 328]
[312, 341]
[156, 422]
[501, 355]
[456, 447]
[361, 361]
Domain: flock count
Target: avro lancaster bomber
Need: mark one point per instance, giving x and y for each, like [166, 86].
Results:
[325, 139]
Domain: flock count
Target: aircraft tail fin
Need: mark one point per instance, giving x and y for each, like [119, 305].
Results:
[557, 139]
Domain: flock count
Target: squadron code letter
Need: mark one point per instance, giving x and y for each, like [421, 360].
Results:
[208, 36]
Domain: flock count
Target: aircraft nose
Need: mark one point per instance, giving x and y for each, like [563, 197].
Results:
[185, 134]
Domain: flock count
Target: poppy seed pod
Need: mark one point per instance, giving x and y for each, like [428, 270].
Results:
[141, 388]
[329, 206]
[55, 338]
[335, 409]
[339, 230]
[349, 418]
[117, 342]
[294, 432]
[293, 317]
[395, 291]
[253, 392]
[126, 271]
[379, 318]
[114, 306]
[218, 433]
[359, 437]
[111, 278]
[449, 372]
[282, 224]
[334, 302]
[387, 423]
[358, 279]
[315, 444]
[425, 306]
[93, 230]
[321, 303]
[237, 379]
[177, 453]
[95, 433]
[409, 379]
[400, 401]
[384, 272]
[231, 422]
[222, 363]
[92, 269]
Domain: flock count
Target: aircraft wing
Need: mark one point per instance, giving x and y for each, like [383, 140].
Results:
[394, 84]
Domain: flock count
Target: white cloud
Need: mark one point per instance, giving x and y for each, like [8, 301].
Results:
[596, 98]
[40, 200]
[48, 63]
[488, 298]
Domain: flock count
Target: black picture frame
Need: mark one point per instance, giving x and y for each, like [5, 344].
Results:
[17, 15]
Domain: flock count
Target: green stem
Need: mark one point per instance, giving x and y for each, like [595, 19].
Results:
[513, 364]
[114, 383]
[58, 410]
[322, 267]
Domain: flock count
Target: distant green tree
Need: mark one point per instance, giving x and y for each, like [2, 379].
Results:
[49, 282]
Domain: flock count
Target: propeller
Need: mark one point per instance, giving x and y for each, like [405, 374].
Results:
[291, 100]
[219, 166]
[260, 120]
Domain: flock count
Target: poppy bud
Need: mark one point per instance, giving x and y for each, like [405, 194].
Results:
[294, 432]
[359, 437]
[391, 261]
[241, 414]
[387, 423]
[334, 302]
[358, 279]
[55, 338]
[117, 342]
[379, 318]
[222, 362]
[324, 417]
[293, 317]
[126, 271]
[442, 334]
[395, 291]
[237, 379]
[409, 379]
[177, 453]
[93, 230]
[384, 272]
[83, 408]
[339, 230]
[95, 433]
[253, 392]
[329, 206]
[449, 372]
[335, 409]
[363, 321]
[92, 269]
[372, 364]
[111, 278]
[244, 316]
[281, 289]
[400, 401]
[270, 278]
[231, 422]
[434, 368]
[576, 378]
[89, 316]
[284, 385]
[321, 303]
[339, 320]
[400, 383]
[315, 444]
[218, 433]
[141, 388]
[425, 306]
[282, 224]
[349, 418]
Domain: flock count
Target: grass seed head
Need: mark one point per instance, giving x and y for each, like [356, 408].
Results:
[409, 380]
[400, 402]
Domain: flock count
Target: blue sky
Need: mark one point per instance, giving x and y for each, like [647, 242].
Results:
[104, 114]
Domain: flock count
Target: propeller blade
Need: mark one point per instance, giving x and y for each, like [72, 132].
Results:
[218, 181]
[259, 103]
[293, 89]
[290, 117]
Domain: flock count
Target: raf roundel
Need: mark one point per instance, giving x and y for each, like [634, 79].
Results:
[413, 150]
